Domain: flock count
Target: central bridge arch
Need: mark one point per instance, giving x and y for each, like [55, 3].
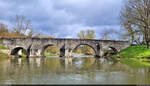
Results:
[46, 46]
[75, 48]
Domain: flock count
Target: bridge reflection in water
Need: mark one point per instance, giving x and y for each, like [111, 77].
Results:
[52, 70]
[66, 62]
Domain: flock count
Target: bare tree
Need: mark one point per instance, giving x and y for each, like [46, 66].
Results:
[109, 34]
[4, 32]
[23, 26]
[3, 28]
[135, 17]
[88, 34]
[81, 35]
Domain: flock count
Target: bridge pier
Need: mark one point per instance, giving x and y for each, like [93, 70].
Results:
[97, 51]
[35, 53]
[65, 52]
[97, 54]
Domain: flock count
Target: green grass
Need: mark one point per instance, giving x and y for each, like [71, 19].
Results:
[135, 52]
[2, 47]
[137, 56]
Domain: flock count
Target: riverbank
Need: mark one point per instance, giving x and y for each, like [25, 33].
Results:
[3, 48]
[2, 53]
[135, 56]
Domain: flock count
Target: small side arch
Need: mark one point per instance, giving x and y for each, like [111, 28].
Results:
[114, 49]
[110, 51]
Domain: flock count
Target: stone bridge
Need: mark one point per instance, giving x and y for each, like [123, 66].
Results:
[36, 46]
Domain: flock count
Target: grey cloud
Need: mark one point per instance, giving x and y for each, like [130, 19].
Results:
[92, 12]
[63, 18]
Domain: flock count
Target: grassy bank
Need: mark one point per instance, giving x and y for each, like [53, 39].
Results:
[138, 56]
[3, 54]
[2, 47]
[138, 52]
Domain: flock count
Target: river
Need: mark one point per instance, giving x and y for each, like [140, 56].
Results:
[76, 70]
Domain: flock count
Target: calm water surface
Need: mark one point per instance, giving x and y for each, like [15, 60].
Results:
[77, 70]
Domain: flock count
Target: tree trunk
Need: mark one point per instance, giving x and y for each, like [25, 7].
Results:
[143, 42]
[148, 42]
[148, 36]
[148, 45]
[132, 38]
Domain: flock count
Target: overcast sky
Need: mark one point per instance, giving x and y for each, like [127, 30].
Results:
[64, 18]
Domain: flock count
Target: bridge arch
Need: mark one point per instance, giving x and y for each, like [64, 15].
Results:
[110, 50]
[114, 49]
[15, 51]
[46, 46]
[93, 48]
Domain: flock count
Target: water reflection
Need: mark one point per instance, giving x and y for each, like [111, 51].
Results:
[70, 70]
[68, 64]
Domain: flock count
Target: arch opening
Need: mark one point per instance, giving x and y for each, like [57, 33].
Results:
[19, 52]
[50, 50]
[84, 50]
[110, 51]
